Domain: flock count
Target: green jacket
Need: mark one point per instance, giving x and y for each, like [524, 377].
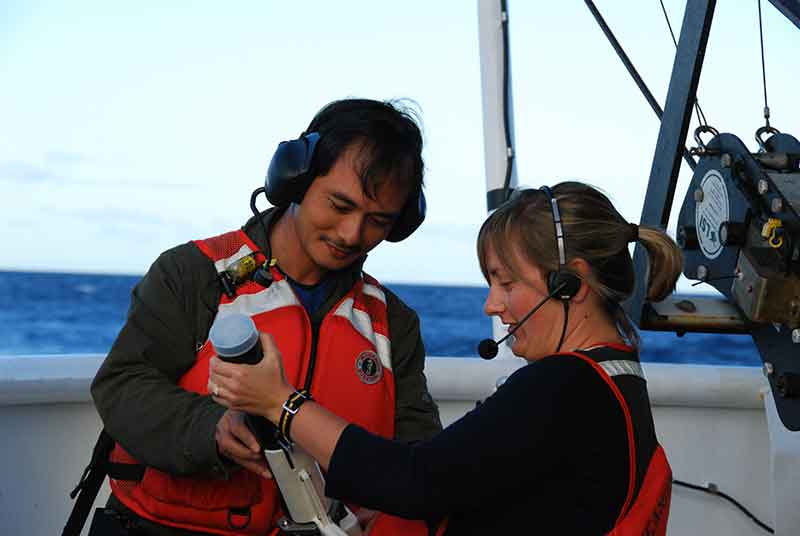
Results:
[171, 312]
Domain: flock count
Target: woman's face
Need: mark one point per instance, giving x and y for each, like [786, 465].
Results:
[511, 297]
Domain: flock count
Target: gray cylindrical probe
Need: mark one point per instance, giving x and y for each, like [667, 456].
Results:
[235, 338]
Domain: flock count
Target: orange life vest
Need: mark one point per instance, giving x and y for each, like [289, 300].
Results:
[352, 376]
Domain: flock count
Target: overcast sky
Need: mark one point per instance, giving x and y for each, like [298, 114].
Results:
[127, 128]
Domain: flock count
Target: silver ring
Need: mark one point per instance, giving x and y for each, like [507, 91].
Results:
[216, 390]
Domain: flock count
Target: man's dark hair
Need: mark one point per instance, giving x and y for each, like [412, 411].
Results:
[386, 133]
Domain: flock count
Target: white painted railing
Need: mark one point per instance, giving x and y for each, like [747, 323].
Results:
[710, 420]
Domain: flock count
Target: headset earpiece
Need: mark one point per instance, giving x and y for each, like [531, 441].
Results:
[288, 175]
[410, 219]
[568, 282]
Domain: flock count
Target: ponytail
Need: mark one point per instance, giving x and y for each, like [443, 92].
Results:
[665, 262]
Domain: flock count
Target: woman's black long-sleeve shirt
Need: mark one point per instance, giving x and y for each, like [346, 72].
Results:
[546, 454]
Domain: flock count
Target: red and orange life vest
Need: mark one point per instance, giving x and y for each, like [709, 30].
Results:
[352, 376]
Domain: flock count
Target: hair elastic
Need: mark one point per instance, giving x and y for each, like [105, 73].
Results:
[634, 232]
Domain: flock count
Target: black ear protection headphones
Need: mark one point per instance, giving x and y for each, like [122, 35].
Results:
[569, 282]
[288, 179]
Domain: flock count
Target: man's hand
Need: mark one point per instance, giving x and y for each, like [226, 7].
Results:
[236, 442]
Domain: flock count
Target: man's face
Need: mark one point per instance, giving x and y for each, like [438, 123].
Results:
[337, 222]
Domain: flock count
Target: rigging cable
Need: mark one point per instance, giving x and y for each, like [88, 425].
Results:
[506, 106]
[701, 117]
[712, 489]
[633, 72]
[763, 67]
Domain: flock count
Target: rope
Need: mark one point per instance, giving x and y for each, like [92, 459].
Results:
[701, 117]
[763, 66]
[648, 95]
[506, 113]
[712, 489]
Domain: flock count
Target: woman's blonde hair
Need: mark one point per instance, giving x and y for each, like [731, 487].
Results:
[523, 229]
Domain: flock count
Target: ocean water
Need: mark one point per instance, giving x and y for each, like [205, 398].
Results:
[50, 313]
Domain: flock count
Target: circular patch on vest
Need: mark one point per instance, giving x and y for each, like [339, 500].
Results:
[368, 367]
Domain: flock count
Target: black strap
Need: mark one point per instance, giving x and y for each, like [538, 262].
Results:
[89, 485]
[92, 478]
[125, 471]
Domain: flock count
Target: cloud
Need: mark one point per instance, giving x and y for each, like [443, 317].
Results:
[18, 171]
[50, 170]
[120, 217]
[65, 158]
[76, 170]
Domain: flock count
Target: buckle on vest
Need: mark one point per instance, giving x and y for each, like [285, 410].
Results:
[239, 512]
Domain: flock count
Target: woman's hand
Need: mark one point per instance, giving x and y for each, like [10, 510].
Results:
[259, 389]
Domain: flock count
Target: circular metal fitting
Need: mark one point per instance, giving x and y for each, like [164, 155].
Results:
[763, 186]
[768, 369]
[726, 160]
[702, 272]
[724, 233]
[732, 233]
[796, 335]
[687, 237]
[776, 204]
[698, 195]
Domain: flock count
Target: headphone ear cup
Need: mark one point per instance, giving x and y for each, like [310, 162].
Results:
[410, 219]
[569, 282]
[287, 176]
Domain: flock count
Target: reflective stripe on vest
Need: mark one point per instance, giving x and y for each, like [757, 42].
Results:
[222, 264]
[279, 294]
[363, 323]
[622, 367]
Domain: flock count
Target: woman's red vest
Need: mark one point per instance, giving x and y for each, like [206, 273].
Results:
[645, 514]
[352, 376]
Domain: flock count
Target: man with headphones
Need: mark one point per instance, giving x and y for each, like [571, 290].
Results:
[183, 464]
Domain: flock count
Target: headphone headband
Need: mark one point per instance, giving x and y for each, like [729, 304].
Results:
[562, 254]
[568, 283]
[289, 176]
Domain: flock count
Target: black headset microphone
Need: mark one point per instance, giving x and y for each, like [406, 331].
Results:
[561, 284]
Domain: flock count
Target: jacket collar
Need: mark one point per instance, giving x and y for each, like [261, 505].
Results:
[343, 280]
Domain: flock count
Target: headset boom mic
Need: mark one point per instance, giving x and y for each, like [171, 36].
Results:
[487, 349]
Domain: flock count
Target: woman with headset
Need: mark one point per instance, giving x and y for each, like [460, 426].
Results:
[567, 444]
